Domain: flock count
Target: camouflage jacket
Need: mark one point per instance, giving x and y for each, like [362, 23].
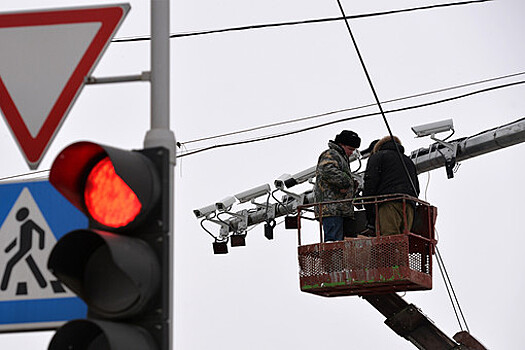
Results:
[332, 176]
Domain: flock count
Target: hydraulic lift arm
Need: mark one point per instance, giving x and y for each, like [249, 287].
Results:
[409, 322]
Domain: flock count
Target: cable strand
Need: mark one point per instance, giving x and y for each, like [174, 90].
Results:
[320, 115]
[451, 292]
[294, 23]
[402, 109]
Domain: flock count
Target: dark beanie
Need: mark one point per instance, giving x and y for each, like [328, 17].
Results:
[348, 138]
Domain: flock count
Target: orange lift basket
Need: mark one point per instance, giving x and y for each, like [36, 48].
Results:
[370, 265]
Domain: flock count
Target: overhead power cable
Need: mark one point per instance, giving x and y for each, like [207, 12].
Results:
[294, 23]
[320, 115]
[331, 19]
[426, 104]
[376, 97]
[449, 99]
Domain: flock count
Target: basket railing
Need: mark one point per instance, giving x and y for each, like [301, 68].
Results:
[369, 264]
[423, 224]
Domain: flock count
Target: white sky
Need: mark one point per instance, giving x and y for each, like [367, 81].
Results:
[250, 298]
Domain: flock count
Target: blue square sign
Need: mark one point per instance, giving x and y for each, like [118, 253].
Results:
[33, 216]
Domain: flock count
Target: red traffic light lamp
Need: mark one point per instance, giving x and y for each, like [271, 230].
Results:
[120, 266]
[115, 188]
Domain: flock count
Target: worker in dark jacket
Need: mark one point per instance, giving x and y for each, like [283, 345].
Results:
[385, 174]
[333, 183]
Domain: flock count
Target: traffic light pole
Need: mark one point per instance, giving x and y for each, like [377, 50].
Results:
[121, 265]
[160, 133]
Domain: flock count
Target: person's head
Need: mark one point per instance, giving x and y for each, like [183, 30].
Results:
[384, 140]
[348, 140]
[370, 148]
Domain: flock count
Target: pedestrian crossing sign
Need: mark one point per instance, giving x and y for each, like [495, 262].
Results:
[33, 216]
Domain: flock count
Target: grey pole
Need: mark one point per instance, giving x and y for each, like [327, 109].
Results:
[160, 134]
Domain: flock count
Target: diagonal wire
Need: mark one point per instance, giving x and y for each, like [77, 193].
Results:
[375, 96]
[452, 294]
[440, 262]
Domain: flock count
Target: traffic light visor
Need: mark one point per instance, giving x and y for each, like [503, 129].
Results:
[115, 188]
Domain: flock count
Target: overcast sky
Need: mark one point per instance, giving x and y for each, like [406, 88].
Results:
[250, 298]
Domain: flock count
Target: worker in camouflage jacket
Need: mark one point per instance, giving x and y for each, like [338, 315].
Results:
[334, 183]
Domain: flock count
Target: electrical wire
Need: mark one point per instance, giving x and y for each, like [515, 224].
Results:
[452, 294]
[398, 151]
[376, 97]
[426, 187]
[294, 23]
[205, 229]
[21, 175]
[191, 152]
[328, 113]
[288, 212]
[401, 109]
[315, 116]
[260, 26]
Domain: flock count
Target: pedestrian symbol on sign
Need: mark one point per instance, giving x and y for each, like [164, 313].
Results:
[25, 243]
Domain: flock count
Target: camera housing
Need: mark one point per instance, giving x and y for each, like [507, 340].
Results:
[433, 128]
[301, 177]
[253, 193]
[225, 204]
[279, 183]
[205, 211]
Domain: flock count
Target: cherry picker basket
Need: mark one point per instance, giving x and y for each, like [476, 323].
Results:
[370, 265]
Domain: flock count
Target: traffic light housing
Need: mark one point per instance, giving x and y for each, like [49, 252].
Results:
[120, 265]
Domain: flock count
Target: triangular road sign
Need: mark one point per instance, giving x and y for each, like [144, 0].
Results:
[45, 58]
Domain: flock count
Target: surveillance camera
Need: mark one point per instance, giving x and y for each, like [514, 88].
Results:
[280, 182]
[433, 128]
[225, 204]
[301, 177]
[207, 210]
[253, 193]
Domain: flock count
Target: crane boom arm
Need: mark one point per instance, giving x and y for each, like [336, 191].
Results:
[410, 323]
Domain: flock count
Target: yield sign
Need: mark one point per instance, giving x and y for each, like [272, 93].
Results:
[45, 57]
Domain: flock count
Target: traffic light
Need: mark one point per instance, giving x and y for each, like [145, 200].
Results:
[120, 265]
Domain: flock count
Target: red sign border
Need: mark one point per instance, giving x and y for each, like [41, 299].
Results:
[110, 18]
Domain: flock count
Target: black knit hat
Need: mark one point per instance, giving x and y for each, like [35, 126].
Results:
[348, 138]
